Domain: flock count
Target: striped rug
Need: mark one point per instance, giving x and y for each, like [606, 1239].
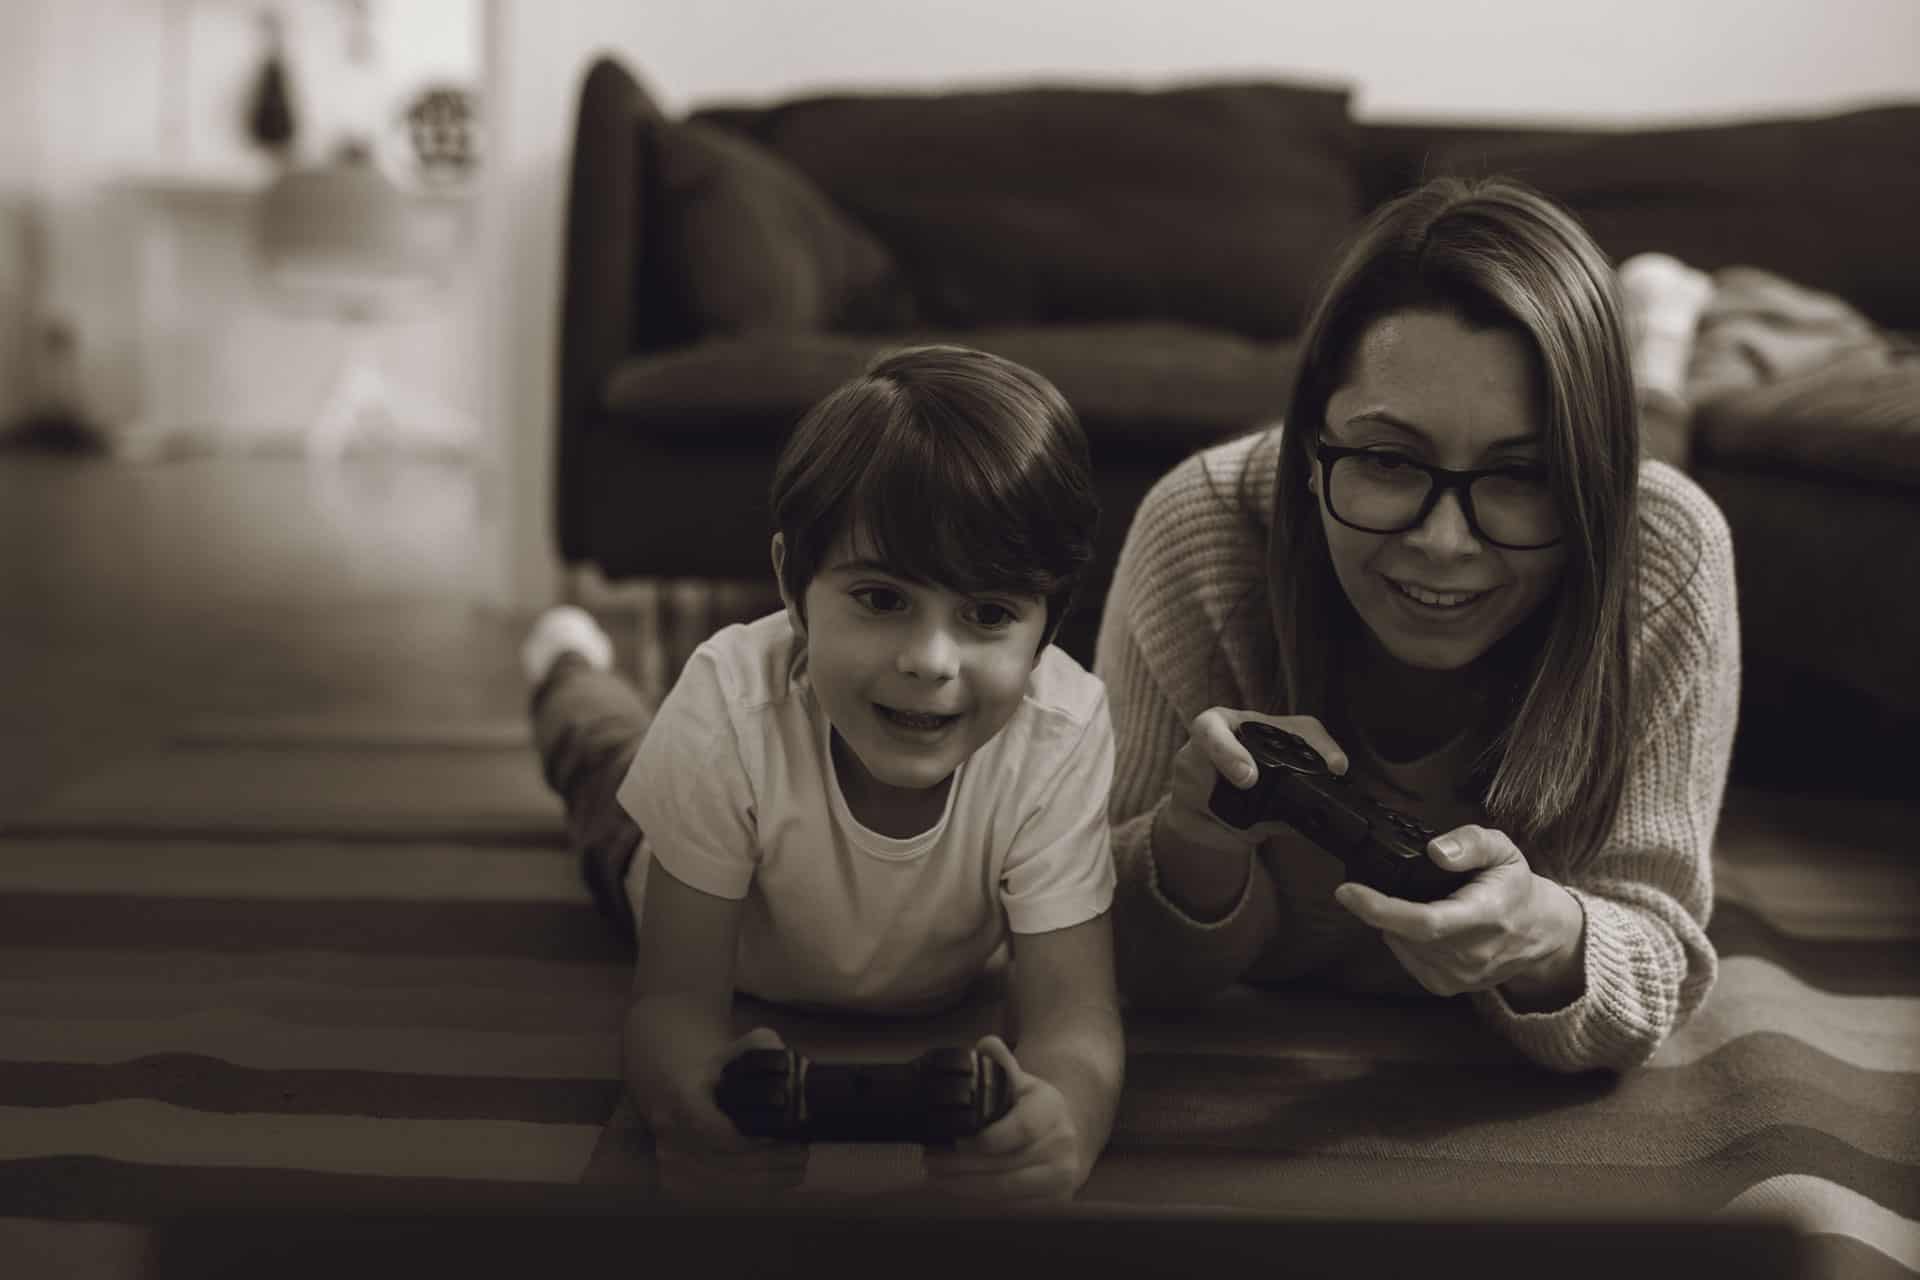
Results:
[287, 964]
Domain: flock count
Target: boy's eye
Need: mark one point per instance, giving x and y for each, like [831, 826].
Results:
[879, 599]
[990, 616]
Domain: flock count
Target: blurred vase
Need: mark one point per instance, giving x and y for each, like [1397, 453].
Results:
[270, 119]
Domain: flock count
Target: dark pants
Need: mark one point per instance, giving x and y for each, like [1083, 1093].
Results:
[587, 726]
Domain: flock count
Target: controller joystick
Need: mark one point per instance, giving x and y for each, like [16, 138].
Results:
[1379, 846]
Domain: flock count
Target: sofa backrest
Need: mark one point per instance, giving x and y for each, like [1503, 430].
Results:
[1215, 204]
[1828, 201]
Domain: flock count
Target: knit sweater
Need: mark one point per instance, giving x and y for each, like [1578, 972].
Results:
[1187, 626]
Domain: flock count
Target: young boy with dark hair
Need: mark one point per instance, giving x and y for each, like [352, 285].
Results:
[863, 801]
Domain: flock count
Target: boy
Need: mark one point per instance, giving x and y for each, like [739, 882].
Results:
[856, 802]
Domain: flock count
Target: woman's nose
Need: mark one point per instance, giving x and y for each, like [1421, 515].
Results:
[930, 653]
[1445, 531]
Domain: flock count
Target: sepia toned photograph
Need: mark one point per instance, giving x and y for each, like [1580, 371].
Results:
[937, 638]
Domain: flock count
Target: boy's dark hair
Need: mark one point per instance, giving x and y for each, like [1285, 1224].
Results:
[954, 467]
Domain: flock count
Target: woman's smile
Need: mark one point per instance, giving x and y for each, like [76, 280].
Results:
[1440, 597]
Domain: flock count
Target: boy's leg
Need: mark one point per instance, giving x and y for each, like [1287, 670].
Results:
[587, 724]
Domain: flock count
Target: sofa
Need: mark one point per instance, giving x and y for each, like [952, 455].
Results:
[1154, 253]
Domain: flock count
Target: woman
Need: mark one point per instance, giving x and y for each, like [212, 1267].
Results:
[1453, 576]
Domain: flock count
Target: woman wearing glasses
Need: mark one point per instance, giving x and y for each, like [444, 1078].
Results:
[1453, 576]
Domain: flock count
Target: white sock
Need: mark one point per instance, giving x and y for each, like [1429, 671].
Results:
[1663, 298]
[561, 630]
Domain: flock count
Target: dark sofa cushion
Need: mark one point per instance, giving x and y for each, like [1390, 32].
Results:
[1163, 388]
[748, 243]
[1829, 201]
[1215, 204]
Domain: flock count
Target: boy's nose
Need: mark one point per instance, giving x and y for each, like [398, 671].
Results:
[930, 654]
[1445, 531]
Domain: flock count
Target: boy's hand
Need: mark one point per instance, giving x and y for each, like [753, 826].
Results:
[699, 1152]
[1031, 1153]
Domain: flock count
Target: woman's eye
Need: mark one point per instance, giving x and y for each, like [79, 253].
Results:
[990, 616]
[879, 599]
[1386, 459]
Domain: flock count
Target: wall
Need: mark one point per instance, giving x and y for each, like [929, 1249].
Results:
[1630, 61]
[139, 97]
[1518, 59]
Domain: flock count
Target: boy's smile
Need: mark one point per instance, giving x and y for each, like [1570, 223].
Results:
[914, 678]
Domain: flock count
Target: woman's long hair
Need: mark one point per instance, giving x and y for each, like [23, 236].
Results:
[1496, 254]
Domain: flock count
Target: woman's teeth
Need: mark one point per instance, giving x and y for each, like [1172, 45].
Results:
[1438, 599]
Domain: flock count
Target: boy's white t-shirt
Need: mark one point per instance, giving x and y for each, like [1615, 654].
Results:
[735, 793]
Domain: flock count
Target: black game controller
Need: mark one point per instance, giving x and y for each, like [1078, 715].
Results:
[1381, 847]
[941, 1095]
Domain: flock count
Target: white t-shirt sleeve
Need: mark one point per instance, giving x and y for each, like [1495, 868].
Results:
[689, 788]
[1059, 871]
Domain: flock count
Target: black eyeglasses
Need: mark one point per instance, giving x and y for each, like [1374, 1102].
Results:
[1387, 491]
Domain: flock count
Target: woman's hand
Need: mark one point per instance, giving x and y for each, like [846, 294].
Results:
[1507, 927]
[702, 1156]
[1203, 862]
[1034, 1152]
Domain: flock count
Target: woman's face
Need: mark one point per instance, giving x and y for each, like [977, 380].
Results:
[1425, 385]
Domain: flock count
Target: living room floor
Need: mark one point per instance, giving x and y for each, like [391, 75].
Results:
[139, 596]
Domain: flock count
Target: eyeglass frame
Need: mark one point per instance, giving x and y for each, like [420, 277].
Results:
[1442, 480]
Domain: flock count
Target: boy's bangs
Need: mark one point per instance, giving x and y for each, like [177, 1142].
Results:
[938, 520]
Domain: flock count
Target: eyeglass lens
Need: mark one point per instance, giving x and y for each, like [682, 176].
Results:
[1384, 493]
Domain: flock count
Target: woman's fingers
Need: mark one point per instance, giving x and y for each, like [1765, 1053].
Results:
[1213, 730]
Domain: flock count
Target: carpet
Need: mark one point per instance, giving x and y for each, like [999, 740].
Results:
[290, 963]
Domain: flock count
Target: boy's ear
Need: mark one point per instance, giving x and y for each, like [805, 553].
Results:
[794, 615]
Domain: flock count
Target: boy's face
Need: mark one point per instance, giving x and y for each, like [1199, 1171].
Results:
[914, 677]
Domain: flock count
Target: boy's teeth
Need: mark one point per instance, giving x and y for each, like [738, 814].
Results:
[916, 719]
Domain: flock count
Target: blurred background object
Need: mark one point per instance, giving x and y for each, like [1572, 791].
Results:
[344, 241]
[270, 118]
[443, 124]
[42, 404]
[145, 137]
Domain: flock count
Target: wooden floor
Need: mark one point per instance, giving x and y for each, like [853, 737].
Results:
[135, 598]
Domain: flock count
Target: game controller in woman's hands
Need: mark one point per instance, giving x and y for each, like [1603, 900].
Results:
[941, 1095]
[1380, 847]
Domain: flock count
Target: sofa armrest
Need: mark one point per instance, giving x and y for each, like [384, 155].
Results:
[603, 268]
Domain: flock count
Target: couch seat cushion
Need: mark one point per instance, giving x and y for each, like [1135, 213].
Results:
[1168, 385]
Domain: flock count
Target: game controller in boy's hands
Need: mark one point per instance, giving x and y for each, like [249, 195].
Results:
[1381, 848]
[941, 1095]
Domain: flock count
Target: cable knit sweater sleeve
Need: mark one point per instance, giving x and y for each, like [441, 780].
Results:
[1178, 634]
[1186, 627]
[1648, 895]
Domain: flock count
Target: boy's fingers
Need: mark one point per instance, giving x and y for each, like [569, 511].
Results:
[758, 1038]
[1014, 1132]
[996, 1048]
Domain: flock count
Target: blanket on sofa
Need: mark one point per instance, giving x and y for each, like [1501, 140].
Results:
[368, 974]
